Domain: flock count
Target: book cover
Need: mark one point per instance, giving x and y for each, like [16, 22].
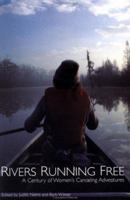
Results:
[35, 38]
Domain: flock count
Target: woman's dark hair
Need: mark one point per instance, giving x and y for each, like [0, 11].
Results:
[66, 75]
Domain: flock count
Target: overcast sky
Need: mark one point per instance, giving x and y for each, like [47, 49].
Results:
[45, 32]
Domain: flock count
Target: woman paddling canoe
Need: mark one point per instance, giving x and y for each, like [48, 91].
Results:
[66, 109]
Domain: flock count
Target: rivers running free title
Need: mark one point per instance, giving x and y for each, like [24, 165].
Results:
[57, 171]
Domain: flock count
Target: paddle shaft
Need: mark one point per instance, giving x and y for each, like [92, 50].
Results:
[15, 130]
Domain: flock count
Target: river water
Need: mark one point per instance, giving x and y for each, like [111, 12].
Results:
[112, 106]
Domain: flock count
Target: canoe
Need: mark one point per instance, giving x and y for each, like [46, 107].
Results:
[32, 156]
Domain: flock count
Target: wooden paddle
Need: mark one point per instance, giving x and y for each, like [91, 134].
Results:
[15, 130]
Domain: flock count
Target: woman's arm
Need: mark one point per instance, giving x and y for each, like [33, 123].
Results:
[35, 118]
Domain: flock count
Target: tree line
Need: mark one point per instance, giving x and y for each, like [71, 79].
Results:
[14, 75]
[109, 74]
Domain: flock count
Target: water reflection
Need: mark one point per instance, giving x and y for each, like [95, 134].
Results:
[113, 109]
[126, 101]
[13, 100]
[110, 99]
[15, 106]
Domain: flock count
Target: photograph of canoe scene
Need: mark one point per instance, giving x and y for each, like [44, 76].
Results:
[64, 99]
